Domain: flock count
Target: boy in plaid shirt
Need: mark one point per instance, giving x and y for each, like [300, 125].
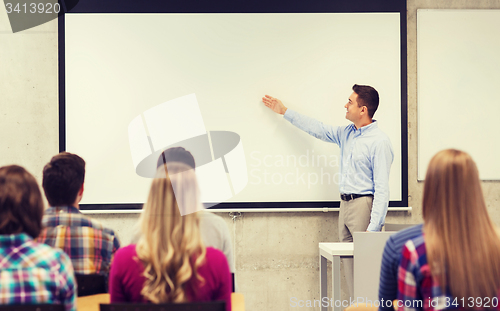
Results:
[89, 245]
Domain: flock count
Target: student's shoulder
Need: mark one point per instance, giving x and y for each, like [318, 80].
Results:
[126, 261]
[126, 251]
[210, 219]
[215, 256]
[399, 239]
[216, 263]
[214, 253]
[95, 224]
[407, 234]
[43, 255]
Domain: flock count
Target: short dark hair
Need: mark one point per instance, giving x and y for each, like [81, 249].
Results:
[21, 204]
[176, 154]
[63, 177]
[367, 96]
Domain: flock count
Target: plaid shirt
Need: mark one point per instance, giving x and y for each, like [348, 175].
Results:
[33, 273]
[418, 290]
[89, 245]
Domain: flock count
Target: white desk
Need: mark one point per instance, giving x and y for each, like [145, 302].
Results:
[332, 252]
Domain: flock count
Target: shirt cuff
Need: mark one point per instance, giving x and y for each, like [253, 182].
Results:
[374, 228]
[289, 115]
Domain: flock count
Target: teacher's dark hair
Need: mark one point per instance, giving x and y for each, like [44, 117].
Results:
[21, 204]
[367, 96]
[63, 177]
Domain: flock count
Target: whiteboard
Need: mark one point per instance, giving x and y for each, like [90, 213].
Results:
[119, 65]
[458, 67]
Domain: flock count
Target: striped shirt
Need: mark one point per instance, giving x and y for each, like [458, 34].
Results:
[89, 245]
[34, 273]
[418, 290]
[388, 285]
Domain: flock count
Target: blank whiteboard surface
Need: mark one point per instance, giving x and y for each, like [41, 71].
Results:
[120, 65]
[458, 66]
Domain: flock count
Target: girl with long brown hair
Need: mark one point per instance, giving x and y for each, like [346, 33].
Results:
[170, 262]
[455, 263]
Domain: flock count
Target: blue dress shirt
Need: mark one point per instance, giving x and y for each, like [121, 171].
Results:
[365, 160]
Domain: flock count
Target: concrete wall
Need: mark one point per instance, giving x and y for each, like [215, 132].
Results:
[276, 253]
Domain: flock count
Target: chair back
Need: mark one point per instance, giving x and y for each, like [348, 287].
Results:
[368, 250]
[33, 307]
[190, 306]
[397, 227]
[233, 284]
[91, 284]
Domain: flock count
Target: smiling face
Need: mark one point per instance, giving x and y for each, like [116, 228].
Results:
[354, 112]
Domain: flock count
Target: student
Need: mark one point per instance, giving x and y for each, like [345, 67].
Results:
[213, 229]
[455, 262]
[86, 241]
[170, 262]
[31, 273]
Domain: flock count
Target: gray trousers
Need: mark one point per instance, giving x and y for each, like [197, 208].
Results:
[354, 217]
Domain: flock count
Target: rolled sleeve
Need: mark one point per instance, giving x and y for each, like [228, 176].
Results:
[382, 160]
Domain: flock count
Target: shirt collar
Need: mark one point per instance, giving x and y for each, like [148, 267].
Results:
[13, 240]
[63, 209]
[367, 128]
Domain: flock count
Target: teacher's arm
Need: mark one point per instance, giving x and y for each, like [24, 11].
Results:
[328, 133]
[382, 160]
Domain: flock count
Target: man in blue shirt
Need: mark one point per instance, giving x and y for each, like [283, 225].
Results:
[366, 158]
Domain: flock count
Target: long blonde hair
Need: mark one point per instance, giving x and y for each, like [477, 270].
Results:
[170, 248]
[463, 248]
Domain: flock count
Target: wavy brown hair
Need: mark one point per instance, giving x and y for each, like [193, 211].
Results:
[21, 204]
[463, 247]
[171, 248]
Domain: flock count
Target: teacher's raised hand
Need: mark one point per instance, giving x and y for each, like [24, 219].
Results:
[274, 104]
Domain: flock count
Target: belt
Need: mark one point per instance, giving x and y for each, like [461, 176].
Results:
[349, 197]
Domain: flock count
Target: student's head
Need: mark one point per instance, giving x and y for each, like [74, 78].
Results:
[362, 103]
[170, 241]
[452, 190]
[176, 154]
[63, 179]
[463, 247]
[21, 204]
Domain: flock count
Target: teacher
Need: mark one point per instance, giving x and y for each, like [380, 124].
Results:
[366, 158]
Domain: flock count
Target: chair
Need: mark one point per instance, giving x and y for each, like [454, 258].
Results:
[233, 284]
[91, 284]
[368, 249]
[190, 306]
[33, 307]
[397, 227]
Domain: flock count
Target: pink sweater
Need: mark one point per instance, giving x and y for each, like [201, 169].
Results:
[126, 280]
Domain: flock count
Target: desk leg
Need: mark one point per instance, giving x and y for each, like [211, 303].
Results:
[336, 283]
[322, 280]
